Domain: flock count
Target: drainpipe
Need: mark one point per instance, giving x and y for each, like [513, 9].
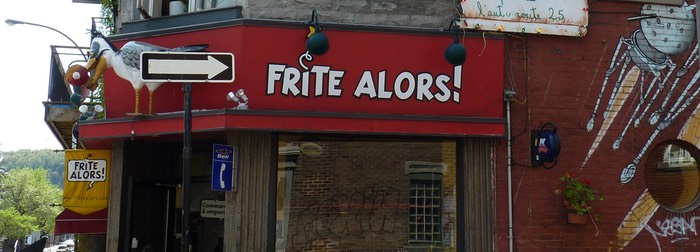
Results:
[507, 96]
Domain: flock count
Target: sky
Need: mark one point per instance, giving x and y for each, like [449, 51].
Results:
[25, 55]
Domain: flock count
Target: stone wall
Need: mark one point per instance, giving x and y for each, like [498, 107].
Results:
[413, 13]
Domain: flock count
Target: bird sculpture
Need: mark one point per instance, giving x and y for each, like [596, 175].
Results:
[126, 63]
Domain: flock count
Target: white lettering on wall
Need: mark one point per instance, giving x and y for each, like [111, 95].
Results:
[291, 81]
[324, 81]
[676, 228]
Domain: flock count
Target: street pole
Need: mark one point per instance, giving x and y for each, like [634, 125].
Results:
[12, 22]
[186, 166]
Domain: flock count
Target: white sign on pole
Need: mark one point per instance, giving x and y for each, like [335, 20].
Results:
[194, 67]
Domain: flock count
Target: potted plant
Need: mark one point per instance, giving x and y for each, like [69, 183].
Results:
[577, 198]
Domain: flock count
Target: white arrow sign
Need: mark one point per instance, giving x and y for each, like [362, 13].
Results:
[210, 66]
[187, 67]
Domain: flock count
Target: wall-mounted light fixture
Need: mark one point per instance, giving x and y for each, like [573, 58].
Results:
[89, 112]
[545, 146]
[239, 97]
[316, 40]
[455, 53]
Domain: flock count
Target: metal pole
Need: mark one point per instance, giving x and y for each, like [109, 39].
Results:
[508, 95]
[186, 165]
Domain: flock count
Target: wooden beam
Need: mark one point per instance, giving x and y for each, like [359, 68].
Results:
[115, 196]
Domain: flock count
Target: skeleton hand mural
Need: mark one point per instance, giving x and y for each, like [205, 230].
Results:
[642, 64]
[665, 31]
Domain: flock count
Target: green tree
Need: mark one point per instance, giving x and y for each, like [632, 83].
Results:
[48, 159]
[27, 192]
[12, 224]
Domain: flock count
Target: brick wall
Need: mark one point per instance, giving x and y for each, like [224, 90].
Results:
[557, 80]
[355, 195]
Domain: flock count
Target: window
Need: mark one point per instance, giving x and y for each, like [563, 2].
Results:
[425, 202]
[425, 214]
[672, 175]
[146, 9]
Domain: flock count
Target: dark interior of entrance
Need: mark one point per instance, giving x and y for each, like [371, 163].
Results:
[152, 196]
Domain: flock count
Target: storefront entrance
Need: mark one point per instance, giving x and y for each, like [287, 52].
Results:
[154, 199]
[362, 194]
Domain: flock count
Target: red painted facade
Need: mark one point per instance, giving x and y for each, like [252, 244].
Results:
[370, 62]
[364, 69]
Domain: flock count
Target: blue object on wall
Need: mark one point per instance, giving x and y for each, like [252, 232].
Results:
[546, 146]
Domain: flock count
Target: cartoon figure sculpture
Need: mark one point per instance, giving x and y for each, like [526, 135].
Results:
[77, 75]
[125, 62]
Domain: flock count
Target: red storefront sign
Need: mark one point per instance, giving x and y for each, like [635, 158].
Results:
[368, 81]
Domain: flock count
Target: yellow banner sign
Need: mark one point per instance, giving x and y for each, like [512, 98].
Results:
[86, 180]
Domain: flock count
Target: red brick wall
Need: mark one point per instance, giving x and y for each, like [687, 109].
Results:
[557, 80]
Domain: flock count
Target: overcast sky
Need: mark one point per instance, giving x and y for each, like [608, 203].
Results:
[24, 65]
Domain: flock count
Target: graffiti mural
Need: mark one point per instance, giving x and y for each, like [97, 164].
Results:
[651, 73]
[665, 31]
[677, 228]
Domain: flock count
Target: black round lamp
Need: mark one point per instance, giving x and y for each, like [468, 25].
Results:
[318, 43]
[456, 54]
